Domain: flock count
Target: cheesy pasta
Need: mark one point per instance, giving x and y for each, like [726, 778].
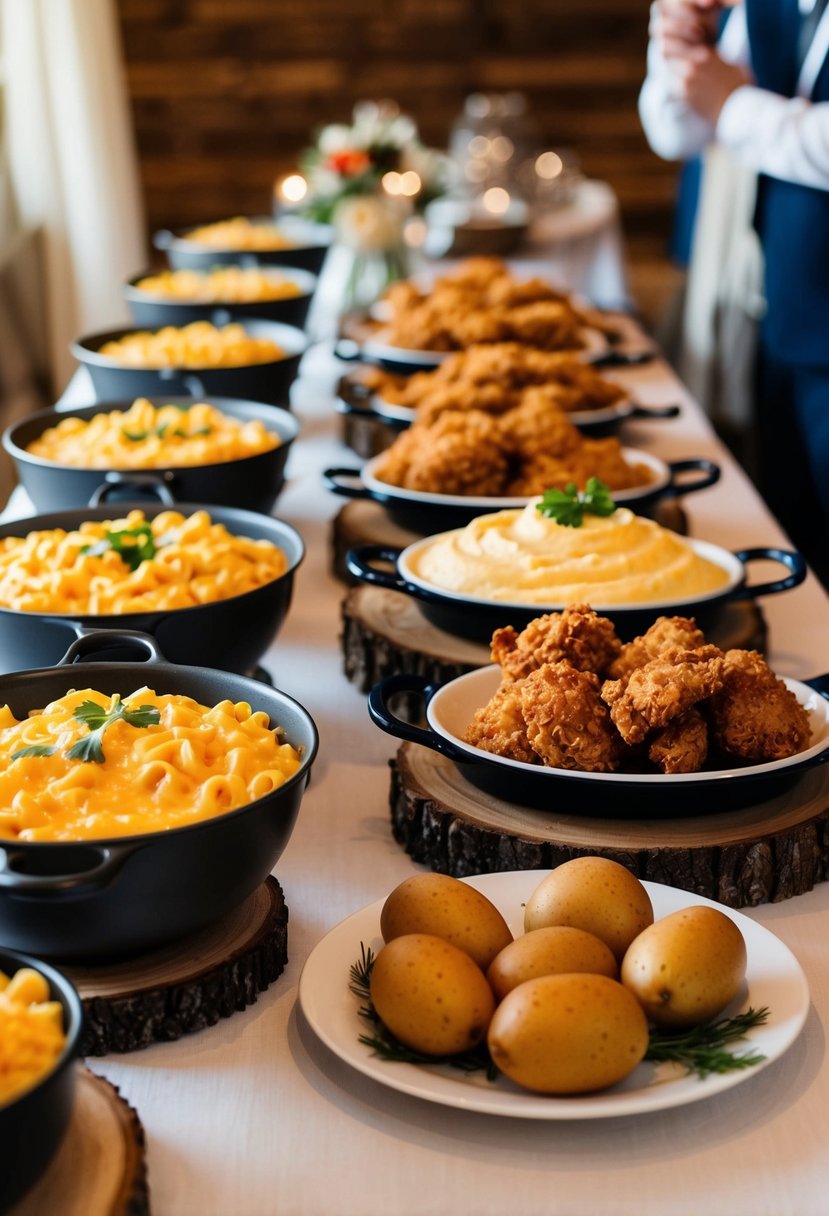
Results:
[133, 564]
[239, 233]
[146, 436]
[192, 763]
[199, 344]
[221, 285]
[31, 1032]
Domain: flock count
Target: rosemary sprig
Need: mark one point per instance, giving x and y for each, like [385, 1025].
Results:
[569, 506]
[93, 715]
[701, 1050]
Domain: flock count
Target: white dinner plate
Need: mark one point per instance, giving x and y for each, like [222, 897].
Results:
[774, 978]
[377, 349]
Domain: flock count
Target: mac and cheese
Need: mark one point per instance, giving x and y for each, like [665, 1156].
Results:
[198, 344]
[133, 564]
[31, 1032]
[147, 436]
[221, 285]
[239, 233]
[193, 763]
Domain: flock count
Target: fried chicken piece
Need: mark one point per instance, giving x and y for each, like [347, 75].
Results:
[754, 715]
[666, 632]
[460, 453]
[578, 635]
[568, 725]
[539, 427]
[491, 398]
[654, 695]
[682, 745]
[499, 726]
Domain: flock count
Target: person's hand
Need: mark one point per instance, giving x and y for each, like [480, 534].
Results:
[706, 81]
[679, 24]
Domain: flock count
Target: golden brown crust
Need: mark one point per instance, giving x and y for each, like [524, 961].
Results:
[754, 715]
[665, 632]
[682, 745]
[654, 695]
[499, 726]
[578, 635]
[568, 725]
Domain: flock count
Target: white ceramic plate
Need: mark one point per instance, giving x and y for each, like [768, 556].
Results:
[774, 978]
[596, 344]
[582, 418]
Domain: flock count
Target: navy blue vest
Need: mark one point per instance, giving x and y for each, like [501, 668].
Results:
[792, 221]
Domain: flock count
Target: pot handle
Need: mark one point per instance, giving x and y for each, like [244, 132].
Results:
[163, 239]
[655, 411]
[710, 475]
[344, 406]
[617, 358]
[90, 642]
[331, 479]
[794, 562]
[187, 384]
[821, 685]
[347, 350]
[158, 485]
[382, 716]
[72, 885]
[358, 562]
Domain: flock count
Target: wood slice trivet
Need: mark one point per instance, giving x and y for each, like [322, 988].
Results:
[758, 854]
[363, 522]
[99, 1169]
[385, 632]
[191, 984]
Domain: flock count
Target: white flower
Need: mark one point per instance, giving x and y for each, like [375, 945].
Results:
[335, 138]
[368, 223]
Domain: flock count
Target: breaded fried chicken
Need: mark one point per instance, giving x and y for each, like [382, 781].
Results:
[754, 715]
[664, 633]
[567, 723]
[662, 690]
[577, 635]
[682, 745]
[499, 726]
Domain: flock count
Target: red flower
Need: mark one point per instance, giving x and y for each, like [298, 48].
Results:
[349, 162]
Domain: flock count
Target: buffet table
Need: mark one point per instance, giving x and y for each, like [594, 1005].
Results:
[255, 1116]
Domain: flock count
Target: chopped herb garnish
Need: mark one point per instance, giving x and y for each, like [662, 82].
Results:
[164, 429]
[37, 749]
[133, 545]
[93, 715]
[569, 506]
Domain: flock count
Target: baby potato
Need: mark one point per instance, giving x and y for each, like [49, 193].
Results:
[568, 1034]
[431, 995]
[594, 894]
[555, 950]
[685, 968]
[447, 908]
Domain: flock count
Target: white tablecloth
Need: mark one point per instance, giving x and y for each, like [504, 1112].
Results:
[254, 1116]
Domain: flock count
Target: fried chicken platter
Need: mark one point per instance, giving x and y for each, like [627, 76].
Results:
[667, 711]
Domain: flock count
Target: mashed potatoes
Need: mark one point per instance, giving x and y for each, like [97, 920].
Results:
[523, 557]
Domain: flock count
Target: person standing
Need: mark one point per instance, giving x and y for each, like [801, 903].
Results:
[762, 92]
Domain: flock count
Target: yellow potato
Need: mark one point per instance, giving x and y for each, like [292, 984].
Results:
[594, 894]
[685, 968]
[431, 995]
[556, 950]
[568, 1034]
[447, 908]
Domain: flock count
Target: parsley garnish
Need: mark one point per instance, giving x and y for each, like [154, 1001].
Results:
[161, 431]
[133, 545]
[568, 506]
[37, 749]
[93, 715]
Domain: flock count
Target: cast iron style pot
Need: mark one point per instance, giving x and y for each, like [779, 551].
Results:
[422, 512]
[251, 482]
[32, 1127]
[269, 382]
[469, 617]
[152, 310]
[450, 708]
[311, 244]
[232, 634]
[118, 896]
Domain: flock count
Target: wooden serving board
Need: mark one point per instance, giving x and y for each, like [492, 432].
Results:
[385, 632]
[757, 854]
[100, 1168]
[182, 988]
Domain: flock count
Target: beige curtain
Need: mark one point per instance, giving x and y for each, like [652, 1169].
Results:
[72, 163]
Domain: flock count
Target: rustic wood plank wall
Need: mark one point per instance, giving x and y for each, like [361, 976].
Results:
[226, 92]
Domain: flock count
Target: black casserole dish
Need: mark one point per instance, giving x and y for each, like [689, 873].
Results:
[150, 309]
[307, 250]
[232, 634]
[251, 482]
[268, 381]
[32, 1126]
[114, 897]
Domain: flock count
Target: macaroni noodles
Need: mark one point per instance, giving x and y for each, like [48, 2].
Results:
[221, 285]
[31, 1032]
[239, 233]
[133, 564]
[194, 763]
[147, 436]
[198, 344]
